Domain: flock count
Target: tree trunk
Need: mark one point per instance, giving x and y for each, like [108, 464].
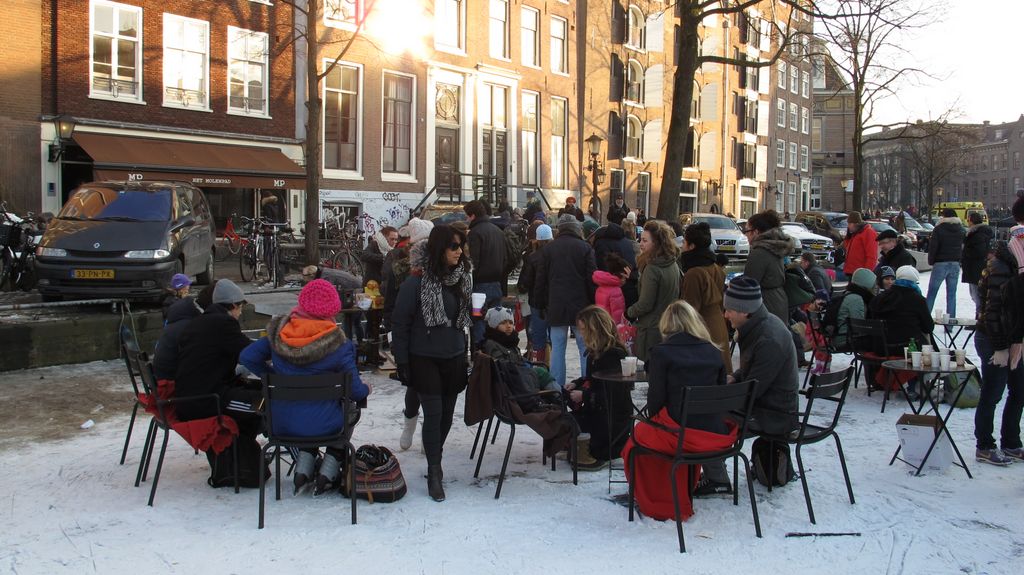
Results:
[313, 136]
[679, 123]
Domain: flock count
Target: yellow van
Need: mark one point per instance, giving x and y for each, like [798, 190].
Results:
[962, 209]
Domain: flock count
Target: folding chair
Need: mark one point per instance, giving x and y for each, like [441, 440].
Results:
[280, 389]
[830, 387]
[737, 398]
[134, 375]
[507, 411]
[162, 410]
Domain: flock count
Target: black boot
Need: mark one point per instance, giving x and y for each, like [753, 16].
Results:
[434, 487]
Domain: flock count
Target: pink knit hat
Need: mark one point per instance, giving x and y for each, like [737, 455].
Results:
[319, 299]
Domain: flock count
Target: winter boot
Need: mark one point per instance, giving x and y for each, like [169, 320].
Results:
[327, 478]
[408, 430]
[434, 487]
[585, 461]
[305, 466]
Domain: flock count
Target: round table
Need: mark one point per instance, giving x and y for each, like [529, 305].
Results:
[614, 376]
[953, 327]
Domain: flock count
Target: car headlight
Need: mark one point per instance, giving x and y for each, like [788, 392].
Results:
[147, 254]
[51, 252]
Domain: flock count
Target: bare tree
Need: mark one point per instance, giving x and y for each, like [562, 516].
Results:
[864, 43]
[936, 153]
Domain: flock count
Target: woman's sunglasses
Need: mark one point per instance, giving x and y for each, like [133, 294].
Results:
[455, 246]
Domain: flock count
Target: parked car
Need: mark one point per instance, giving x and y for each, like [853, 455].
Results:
[798, 247]
[810, 242]
[923, 234]
[880, 226]
[126, 239]
[829, 224]
[726, 236]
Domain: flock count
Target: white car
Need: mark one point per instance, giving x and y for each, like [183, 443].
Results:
[726, 237]
[810, 241]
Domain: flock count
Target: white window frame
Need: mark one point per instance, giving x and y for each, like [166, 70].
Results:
[791, 198]
[805, 159]
[409, 176]
[530, 167]
[780, 115]
[805, 120]
[805, 84]
[559, 173]
[115, 93]
[459, 47]
[171, 51]
[635, 128]
[794, 80]
[634, 13]
[350, 22]
[792, 155]
[782, 75]
[560, 46]
[492, 19]
[244, 110]
[780, 153]
[794, 116]
[634, 67]
[343, 173]
[643, 191]
[528, 44]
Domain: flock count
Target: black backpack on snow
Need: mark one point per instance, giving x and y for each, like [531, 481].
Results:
[772, 464]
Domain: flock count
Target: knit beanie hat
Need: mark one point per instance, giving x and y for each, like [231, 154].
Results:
[227, 292]
[544, 232]
[569, 223]
[864, 278]
[319, 299]
[631, 216]
[419, 229]
[743, 294]
[855, 218]
[888, 272]
[908, 273]
[589, 227]
[496, 315]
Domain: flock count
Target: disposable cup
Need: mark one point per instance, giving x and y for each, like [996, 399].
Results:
[915, 358]
[926, 359]
[961, 357]
[628, 367]
[936, 357]
[927, 348]
[945, 318]
[478, 303]
[944, 362]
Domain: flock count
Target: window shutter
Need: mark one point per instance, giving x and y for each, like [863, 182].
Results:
[614, 136]
[652, 141]
[766, 35]
[741, 25]
[709, 101]
[763, 109]
[618, 79]
[764, 79]
[761, 165]
[708, 151]
[654, 80]
[618, 32]
[656, 32]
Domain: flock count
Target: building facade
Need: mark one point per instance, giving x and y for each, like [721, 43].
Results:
[991, 170]
[20, 101]
[832, 128]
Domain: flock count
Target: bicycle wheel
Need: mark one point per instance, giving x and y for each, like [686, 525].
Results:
[25, 279]
[348, 261]
[247, 262]
[276, 274]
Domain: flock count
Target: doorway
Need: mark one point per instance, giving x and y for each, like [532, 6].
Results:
[446, 161]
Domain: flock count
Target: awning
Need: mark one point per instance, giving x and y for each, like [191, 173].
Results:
[201, 163]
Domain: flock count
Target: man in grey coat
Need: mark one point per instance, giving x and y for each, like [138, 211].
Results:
[767, 355]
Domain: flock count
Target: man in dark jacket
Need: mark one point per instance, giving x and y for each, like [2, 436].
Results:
[564, 286]
[944, 252]
[165, 358]
[904, 311]
[893, 254]
[815, 273]
[612, 239]
[208, 351]
[572, 209]
[378, 247]
[487, 251]
[618, 210]
[975, 254]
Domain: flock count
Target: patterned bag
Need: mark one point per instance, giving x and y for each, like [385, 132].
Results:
[378, 477]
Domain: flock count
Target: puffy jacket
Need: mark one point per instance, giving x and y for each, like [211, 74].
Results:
[895, 258]
[659, 287]
[487, 251]
[208, 351]
[528, 276]
[612, 239]
[768, 355]
[300, 346]
[947, 241]
[819, 279]
[563, 284]
[165, 358]
[854, 305]
[609, 295]
[410, 333]
[861, 249]
[678, 362]
[765, 264]
[573, 211]
[998, 271]
[975, 253]
[906, 316]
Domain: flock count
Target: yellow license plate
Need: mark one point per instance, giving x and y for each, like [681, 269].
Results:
[93, 274]
[725, 248]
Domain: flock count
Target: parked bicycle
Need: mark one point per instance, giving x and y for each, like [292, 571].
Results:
[230, 242]
[260, 254]
[18, 240]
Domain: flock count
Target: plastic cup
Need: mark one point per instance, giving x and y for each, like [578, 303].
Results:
[478, 303]
[927, 349]
[627, 367]
[945, 318]
[936, 358]
[915, 358]
[961, 357]
[944, 362]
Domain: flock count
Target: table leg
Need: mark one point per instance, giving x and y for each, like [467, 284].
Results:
[942, 426]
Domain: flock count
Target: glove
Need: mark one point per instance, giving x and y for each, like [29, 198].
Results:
[1000, 358]
[1015, 355]
[403, 373]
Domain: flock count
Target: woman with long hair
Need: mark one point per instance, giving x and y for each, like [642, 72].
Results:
[688, 357]
[704, 284]
[593, 398]
[429, 344]
[659, 284]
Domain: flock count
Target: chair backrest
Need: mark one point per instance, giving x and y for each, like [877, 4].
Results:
[718, 400]
[816, 321]
[139, 363]
[831, 387]
[131, 363]
[868, 335]
[328, 388]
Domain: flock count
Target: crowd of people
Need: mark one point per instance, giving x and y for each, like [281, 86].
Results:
[632, 287]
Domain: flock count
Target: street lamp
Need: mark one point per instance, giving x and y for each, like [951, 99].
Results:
[64, 126]
[596, 169]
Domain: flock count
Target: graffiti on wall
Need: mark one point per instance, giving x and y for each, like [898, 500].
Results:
[372, 210]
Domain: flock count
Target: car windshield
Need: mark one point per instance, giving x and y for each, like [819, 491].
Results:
[716, 222]
[880, 226]
[912, 224]
[118, 205]
[838, 222]
[794, 227]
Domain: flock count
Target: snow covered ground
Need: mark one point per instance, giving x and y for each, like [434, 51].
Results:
[70, 508]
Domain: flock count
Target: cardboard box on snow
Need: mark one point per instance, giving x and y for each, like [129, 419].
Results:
[916, 433]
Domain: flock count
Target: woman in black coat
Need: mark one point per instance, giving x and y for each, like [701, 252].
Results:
[429, 342]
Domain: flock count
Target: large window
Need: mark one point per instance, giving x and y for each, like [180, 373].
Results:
[559, 141]
[780, 115]
[530, 32]
[805, 84]
[634, 82]
[805, 164]
[396, 145]
[634, 133]
[494, 130]
[498, 29]
[792, 155]
[531, 103]
[346, 14]
[186, 61]
[448, 19]
[782, 75]
[116, 55]
[341, 118]
[247, 72]
[559, 45]
[805, 120]
[794, 116]
[643, 190]
[635, 29]
[780, 153]
[794, 79]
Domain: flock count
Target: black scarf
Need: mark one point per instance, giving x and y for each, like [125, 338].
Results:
[510, 341]
[696, 258]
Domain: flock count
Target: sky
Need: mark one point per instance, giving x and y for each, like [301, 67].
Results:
[973, 51]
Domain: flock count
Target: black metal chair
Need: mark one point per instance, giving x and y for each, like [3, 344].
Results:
[703, 400]
[160, 421]
[831, 387]
[324, 387]
[502, 397]
[134, 375]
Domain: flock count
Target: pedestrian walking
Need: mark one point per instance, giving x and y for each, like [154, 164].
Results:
[974, 257]
[944, 251]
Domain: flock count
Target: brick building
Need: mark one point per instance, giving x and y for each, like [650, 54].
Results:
[19, 106]
[991, 171]
[832, 127]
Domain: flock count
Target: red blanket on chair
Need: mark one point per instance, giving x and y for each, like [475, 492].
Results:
[214, 433]
[652, 490]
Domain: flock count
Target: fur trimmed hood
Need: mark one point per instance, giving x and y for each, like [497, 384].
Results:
[775, 241]
[302, 341]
